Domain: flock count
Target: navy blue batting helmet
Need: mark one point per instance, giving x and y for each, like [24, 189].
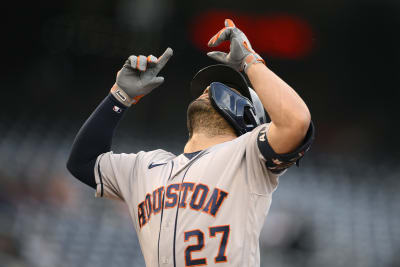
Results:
[244, 110]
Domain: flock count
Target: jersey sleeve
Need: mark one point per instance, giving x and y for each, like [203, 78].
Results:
[117, 174]
[264, 165]
[113, 173]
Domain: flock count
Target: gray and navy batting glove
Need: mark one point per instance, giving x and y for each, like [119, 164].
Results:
[138, 77]
[241, 55]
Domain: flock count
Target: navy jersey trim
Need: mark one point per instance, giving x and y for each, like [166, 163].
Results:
[162, 212]
[176, 217]
[192, 154]
[100, 177]
[179, 201]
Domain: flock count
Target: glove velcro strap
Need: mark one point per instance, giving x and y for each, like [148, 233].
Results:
[123, 97]
[251, 59]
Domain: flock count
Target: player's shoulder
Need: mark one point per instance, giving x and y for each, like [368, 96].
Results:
[155, 155]
[241, 142]
[249, 136]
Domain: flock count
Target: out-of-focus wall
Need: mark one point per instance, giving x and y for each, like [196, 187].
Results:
[340, 208]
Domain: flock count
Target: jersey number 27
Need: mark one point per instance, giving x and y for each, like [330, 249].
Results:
[213, 231]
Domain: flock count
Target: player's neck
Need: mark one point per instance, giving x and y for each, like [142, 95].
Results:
[201, 141]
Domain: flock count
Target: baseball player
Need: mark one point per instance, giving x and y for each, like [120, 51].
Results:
[207, 205]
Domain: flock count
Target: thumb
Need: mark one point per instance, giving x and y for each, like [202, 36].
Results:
[157, 81]
[218, 56]
[222, 35]
[163, 59]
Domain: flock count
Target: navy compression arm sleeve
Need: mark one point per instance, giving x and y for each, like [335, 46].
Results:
[93, 139]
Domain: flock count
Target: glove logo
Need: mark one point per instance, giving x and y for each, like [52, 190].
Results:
[120, 95]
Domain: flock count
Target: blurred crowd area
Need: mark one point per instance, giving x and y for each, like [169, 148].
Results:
[340, 208]
[341, 56]
[331, 211]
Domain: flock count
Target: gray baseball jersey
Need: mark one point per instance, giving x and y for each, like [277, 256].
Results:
[207, 210]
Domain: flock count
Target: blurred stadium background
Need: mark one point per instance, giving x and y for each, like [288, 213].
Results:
[340, 208]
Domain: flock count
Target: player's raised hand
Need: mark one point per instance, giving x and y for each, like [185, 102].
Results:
[138, 77]
[241, 54]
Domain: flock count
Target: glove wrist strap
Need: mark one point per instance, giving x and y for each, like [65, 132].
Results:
[123, 97]
[252, 58]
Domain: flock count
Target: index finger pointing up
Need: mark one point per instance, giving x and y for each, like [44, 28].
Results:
[163, 59]
[229, 23]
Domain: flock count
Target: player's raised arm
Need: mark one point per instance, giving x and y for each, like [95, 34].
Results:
[290, 117]
[137, 78]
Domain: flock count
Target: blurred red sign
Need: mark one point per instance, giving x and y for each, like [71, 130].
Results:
[277, 35]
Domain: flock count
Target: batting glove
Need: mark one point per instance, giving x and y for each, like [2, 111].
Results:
[241, 55]
[138, 77]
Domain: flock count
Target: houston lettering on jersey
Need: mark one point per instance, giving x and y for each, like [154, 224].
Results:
[201, 199]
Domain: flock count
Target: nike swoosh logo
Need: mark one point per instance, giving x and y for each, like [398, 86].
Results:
[152, 165]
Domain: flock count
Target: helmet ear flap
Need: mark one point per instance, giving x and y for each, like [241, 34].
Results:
[243, 110]
[238, 110]
[249, 116]
[260, 113]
